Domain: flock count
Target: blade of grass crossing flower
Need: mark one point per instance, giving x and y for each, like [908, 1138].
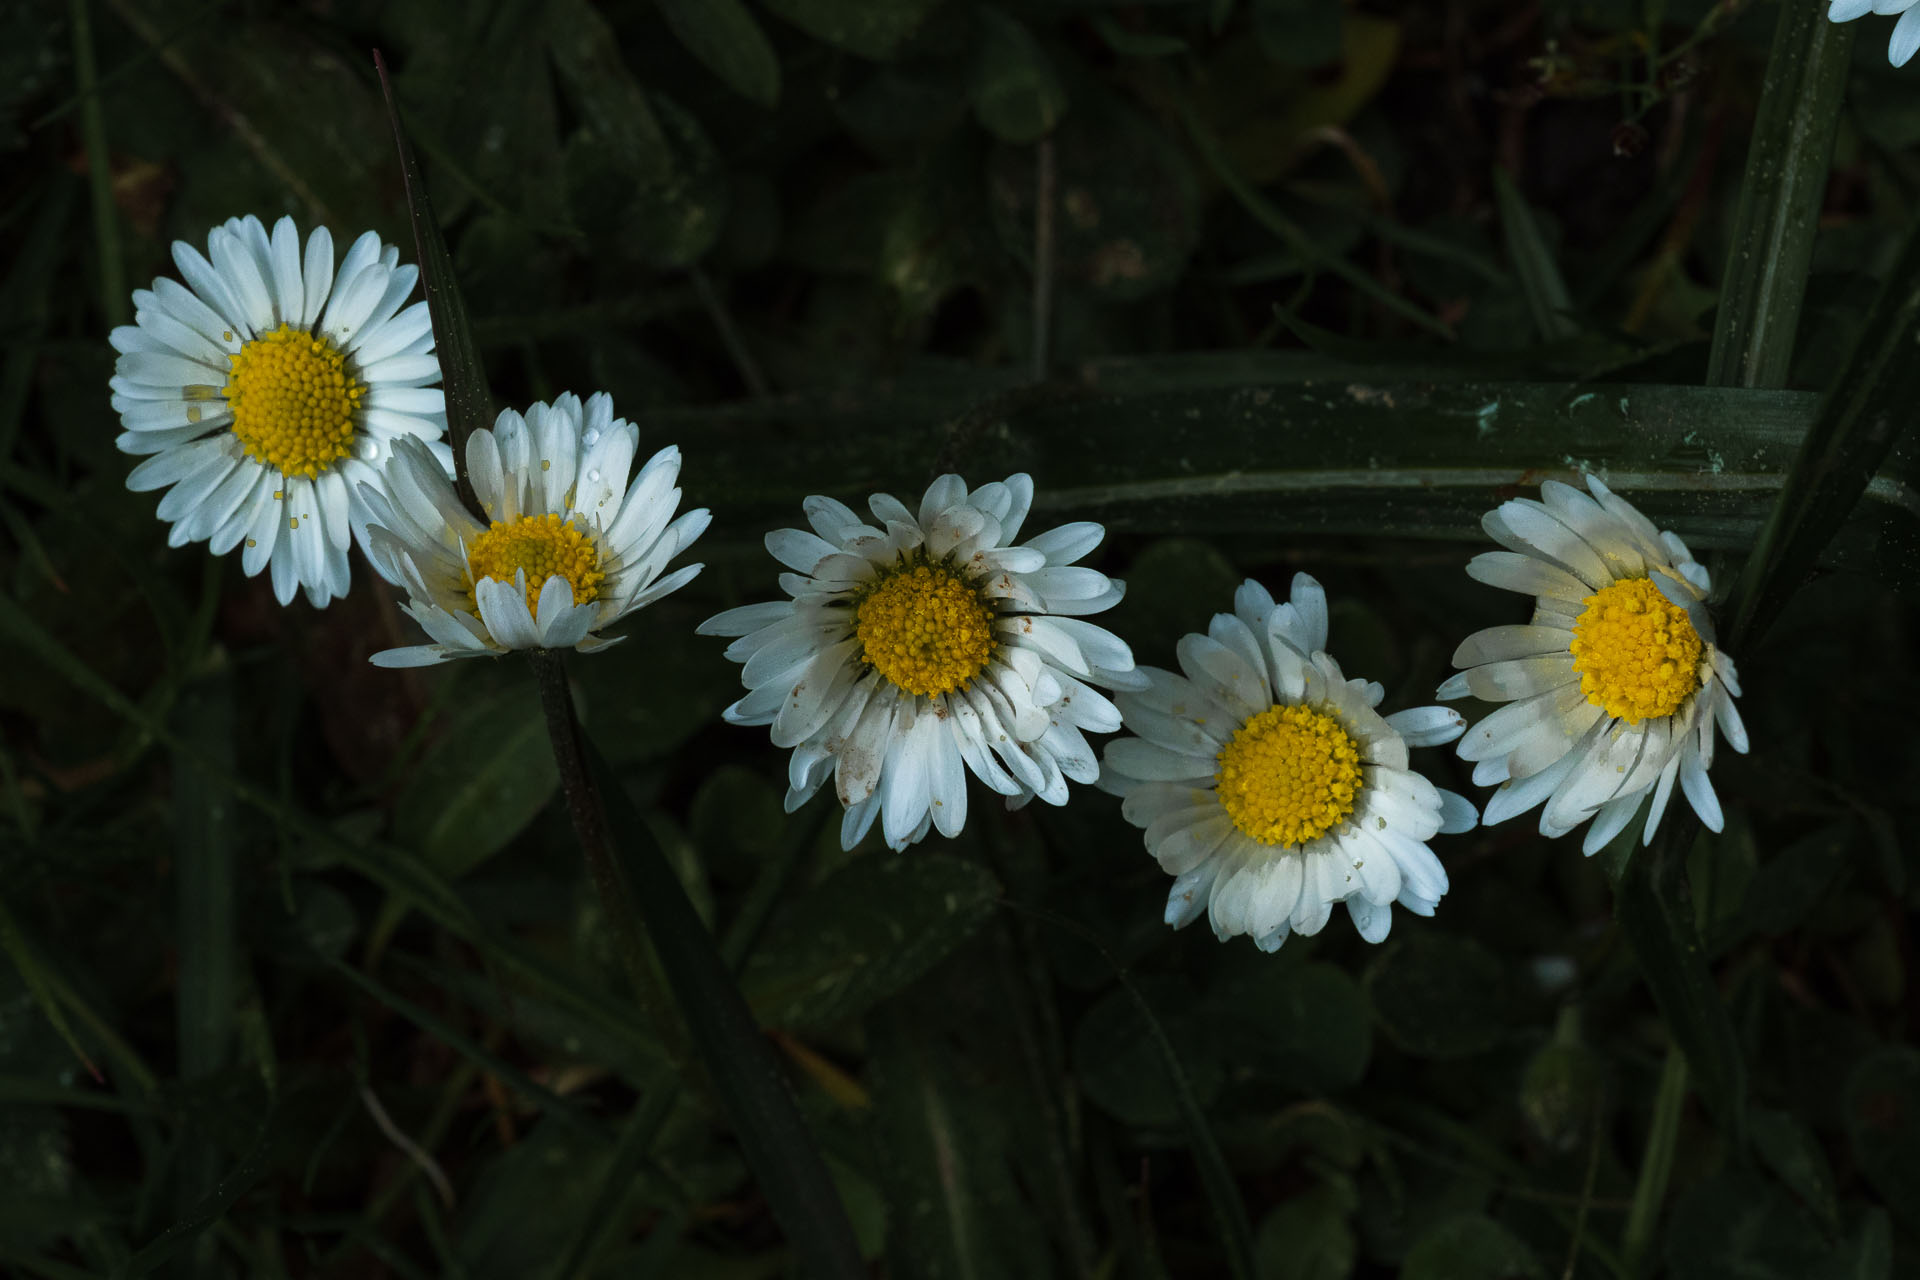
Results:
[109, 257]
[469, 405]
[203, 927]
[1788, 162]
[1532, 261]
[1869, 404]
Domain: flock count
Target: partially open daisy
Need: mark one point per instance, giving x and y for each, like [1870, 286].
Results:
[1614, 686]
[1906, 32]
[269, 389]
[1270, 788]
[570, 548]
[926, 645]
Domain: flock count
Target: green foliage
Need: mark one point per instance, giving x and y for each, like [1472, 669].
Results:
[1313, 287]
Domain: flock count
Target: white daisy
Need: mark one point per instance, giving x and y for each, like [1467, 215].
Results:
[920, 647]
[1271, 789]
[1615, 685]
[1906, 32]
[269, 389]
[571, 549]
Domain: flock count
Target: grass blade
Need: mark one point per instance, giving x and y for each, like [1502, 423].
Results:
[204, 927]
[469, 405]
[21, 952]
[1532, 261]
[1870, 404]
[1780, 197]
[1650, 1188]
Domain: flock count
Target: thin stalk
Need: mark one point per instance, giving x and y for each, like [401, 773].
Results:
[1656, 1166]
[114, 300]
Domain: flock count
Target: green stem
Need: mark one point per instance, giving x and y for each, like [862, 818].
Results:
[1656, 1166]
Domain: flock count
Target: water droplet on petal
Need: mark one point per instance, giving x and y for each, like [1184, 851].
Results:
[593, 477]
[590, 437]
[370, 450]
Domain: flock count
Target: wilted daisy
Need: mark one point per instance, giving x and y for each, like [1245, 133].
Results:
[1615, 685]
[1270, 788]
[926, 645]
[1906, 32]
[571, 547]
[270, 388]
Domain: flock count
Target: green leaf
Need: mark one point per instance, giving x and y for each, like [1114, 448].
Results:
[865, 932]
[1532, 260]
[1129, 43]
[1738, 1227]
[469, 403]
[1298, 33]
[481, 786]
[876, 29]
[1439, 996]
[1120, 1068]
[27, 963]
[1791, 1151]
[209, 1209]
[1299, 1025]
[1789, 158]
[1882, 1108]
[517, 1215]
[1310, 1237]
[727, 38]
[1471, 1246]
[1016, 95]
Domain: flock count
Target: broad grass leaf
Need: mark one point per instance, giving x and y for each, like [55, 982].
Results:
[863, 933]
[480, 785]
[517, 1216]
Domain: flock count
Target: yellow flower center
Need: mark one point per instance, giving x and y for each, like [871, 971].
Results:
[545, 547]
[293, 400]
[925, 628]
[1288, 776]
[1636, 653]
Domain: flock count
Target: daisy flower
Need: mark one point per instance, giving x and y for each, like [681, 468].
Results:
[1270, 788]
[269, 389]
[927, 645]
[1906, 32]
[571, 547]
[1615, 685]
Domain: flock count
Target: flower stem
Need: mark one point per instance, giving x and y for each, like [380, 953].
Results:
[1657, 1165]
